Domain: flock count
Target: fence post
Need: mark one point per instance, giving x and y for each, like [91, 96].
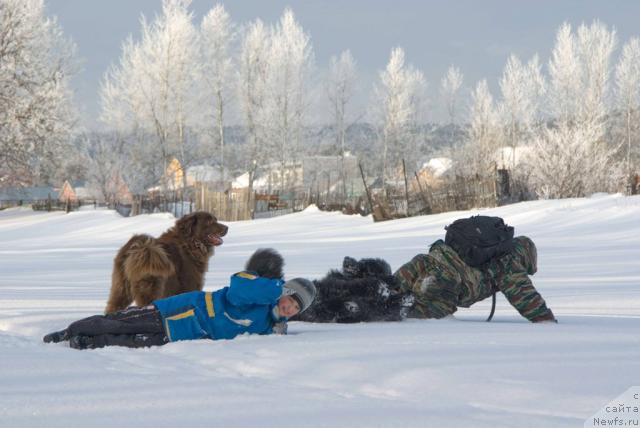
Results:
[503, 179]
[366, 189]
[424, 197]
[406, 186]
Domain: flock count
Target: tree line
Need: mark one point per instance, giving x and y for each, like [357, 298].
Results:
[565, 128]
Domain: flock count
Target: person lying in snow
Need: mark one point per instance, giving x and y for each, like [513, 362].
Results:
[256, 301]
[430, 285]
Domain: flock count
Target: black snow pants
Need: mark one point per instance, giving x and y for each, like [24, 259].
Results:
[132, 327]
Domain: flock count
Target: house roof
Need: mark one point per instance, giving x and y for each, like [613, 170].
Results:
[438, 166]
[203, 173]
[27, 194]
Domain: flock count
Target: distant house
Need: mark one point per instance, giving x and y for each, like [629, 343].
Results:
[74, 191]
[172, 178]
[118, 190]
[310, 174]
[195, 175]
[15, 196]
[434, 171]
[210, 175]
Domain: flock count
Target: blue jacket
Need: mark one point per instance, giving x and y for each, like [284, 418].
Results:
[245, 306]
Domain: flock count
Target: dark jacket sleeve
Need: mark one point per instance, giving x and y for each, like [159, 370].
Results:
[513, 280]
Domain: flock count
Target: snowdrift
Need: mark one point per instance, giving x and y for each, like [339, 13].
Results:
[458, 372]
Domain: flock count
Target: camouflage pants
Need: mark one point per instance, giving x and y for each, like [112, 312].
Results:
[441, 282]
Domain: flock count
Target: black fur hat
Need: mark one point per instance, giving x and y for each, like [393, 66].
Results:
[266, 262]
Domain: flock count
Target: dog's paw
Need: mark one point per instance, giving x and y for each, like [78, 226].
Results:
[407, 300]
[352, 307]
[383, 290]
[406, 305]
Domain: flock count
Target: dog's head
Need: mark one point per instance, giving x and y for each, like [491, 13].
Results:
[202, 227]
[365, 268]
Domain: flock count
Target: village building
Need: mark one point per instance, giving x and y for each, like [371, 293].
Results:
[310, 174]
[18, 196]
[75, 191]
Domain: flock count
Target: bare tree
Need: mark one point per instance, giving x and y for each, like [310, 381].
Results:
[288, 92]
[216, 35]
[105, 158]
[151, 90]
[627, 95]
[398, 102]
[595, 44]
[450, 91]
[522, 88]
[572, 157]
[37, 117]
[251, 87]
[483, 139]
[340, 90]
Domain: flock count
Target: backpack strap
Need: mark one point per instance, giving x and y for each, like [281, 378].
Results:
[494, 288]
[493, 306]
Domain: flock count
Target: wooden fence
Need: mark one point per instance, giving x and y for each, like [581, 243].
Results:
[229, 205]
[232, 205]
[419, 199]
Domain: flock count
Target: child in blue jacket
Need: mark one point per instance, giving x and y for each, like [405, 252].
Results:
[256, 301]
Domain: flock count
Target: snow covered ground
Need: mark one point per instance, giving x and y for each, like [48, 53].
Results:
[462, 372]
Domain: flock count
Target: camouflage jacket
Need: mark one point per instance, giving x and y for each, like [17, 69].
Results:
[441, 282]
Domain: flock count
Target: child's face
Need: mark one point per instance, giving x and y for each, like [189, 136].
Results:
[288, 307]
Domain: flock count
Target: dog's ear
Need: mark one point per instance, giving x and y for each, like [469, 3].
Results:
[186, 224]
[351, 267]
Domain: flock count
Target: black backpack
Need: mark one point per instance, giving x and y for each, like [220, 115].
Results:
[479, 239]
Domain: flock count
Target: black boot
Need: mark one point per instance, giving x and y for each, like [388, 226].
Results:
[81, 342]
[56, 336]
[127, 340]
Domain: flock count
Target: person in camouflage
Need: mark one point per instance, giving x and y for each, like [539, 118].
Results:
[441, 282]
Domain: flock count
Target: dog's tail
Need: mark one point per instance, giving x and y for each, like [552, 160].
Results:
[145, 257]
[140, 270]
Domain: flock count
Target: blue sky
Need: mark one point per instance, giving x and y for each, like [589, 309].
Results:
[477, 36]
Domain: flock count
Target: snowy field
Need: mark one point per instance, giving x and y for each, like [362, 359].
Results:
[462, 372]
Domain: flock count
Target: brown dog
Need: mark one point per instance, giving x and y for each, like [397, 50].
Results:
[147, 268]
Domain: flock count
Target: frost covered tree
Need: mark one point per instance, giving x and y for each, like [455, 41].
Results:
[288, 90]
[37, 117]
[483, 138]
[216, 35]
[627, 96]
[123, 111]
[106, 163]
[450, 86]
[340, 91]
[398, 103]
[571, 156]
[522, 87]
[251, 89]
[151, 91]
[596, 44]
